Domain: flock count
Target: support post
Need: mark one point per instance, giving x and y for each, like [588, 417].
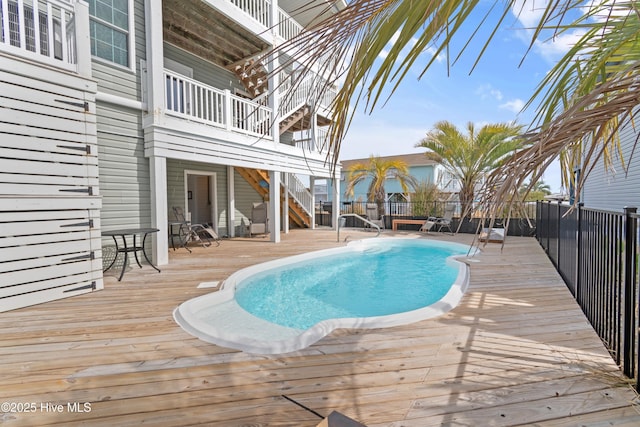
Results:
[159, 214]
[312, 189]
[285, 204]
[274, 206]
[231, 202]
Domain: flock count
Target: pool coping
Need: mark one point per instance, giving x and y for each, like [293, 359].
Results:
[249, 334]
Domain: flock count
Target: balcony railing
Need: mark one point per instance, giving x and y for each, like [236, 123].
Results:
[195, 101]
[288, 28]
[46, 36]
[260, 10]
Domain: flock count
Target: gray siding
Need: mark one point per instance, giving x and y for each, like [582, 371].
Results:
[245, 196]
[204, 71]
[175, 188]
[117, 80]
[124, 171]
[619, 186]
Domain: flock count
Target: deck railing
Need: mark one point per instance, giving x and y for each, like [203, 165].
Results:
[288, 28]
[47, 36]
[195, 101]
[260, 10]
[596, 253]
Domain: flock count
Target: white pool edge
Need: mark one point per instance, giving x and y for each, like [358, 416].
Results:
[296, 339]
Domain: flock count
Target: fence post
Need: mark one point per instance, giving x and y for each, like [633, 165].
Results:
[628, 363]
[578, 251]
[548, 221]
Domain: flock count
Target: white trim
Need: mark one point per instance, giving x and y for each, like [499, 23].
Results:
[121, 101]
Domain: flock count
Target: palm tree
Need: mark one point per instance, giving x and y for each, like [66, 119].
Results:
[469, 157]
[582, 98]
[378, 171]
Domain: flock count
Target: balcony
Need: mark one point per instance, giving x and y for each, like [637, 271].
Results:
[191, 100]
[48, 36]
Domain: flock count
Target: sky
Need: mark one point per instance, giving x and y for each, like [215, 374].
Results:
[495, 91]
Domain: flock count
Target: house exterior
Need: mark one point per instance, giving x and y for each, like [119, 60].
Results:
[420, 168]
[619, 186]
[115, 111]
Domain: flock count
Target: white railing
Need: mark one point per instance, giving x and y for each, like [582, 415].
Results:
[196, 101]
[293, 98]
[288, 28]
[299, 192]
[306, 142]
[48, 35]
[260, 10]
[249, 117]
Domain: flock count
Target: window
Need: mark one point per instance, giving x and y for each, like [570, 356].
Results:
[109, 27]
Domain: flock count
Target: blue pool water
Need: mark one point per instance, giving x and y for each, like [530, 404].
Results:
[383, 278]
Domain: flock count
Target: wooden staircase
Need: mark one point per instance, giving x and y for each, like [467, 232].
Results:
[297, 119]
[253, 77]
[257, 177]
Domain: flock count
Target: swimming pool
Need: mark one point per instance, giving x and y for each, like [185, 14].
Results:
[288, 304]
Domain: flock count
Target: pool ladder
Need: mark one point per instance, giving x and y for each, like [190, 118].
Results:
[365, 220]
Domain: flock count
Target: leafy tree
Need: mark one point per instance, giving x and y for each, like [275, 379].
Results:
[469, 157]
[530, 192]
[582, 99]
[426, 199]
[379, 171]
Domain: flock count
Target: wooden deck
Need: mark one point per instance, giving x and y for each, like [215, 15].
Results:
[516, 351]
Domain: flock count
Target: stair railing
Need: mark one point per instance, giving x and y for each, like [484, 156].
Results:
[300, 194]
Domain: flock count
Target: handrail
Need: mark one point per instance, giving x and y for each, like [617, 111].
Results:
[365, 220]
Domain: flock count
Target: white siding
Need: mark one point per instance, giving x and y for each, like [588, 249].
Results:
[620, 186]
[49, 192]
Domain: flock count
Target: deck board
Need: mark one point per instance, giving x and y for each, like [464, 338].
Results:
[516, 351]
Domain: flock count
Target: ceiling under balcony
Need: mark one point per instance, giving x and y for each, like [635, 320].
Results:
[198, 28]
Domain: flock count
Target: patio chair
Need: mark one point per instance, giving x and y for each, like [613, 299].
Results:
[427, 226]
[444, 222]
[259, 219]
[190, 232]
[373, 215]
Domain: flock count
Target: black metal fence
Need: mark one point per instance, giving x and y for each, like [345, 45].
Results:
[596, 253]
[520, 224]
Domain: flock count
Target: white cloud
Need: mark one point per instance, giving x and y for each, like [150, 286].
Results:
[529, 12]
[514, 105]
[487, 91]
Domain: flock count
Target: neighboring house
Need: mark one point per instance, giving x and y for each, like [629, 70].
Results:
[115, 111]
[420, 168]
[618, 187]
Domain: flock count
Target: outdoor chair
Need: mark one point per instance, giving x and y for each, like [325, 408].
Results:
[190, 232]
[427, 226]
[259, 219]
[374, 216]
[444, 222]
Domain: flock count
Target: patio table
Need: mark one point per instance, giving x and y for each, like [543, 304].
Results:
[135, 248]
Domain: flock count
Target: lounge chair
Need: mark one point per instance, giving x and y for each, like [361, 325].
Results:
[427, 226]
[374, 216]
[190, 232]
[259, 219]
[444, 222]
